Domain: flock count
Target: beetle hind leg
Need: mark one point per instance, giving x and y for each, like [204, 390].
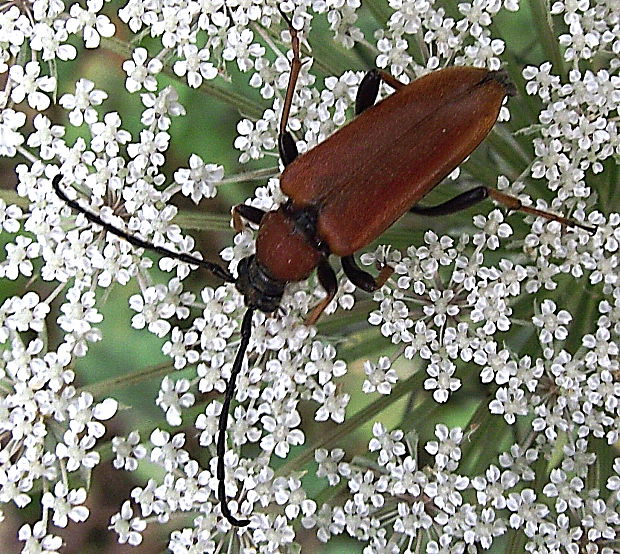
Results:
[461, 202]
[470, 197]
[513, 203]
[362, 279]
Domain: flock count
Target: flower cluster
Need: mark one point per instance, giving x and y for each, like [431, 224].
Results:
[464, 512]
[515, 317]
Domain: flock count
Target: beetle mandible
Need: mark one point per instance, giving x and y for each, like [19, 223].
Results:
[343, 193]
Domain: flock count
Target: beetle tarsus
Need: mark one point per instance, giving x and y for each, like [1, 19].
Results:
[385, 273]
[287, 147]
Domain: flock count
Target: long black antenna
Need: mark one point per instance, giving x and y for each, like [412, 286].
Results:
[216, 269]
[246, 332]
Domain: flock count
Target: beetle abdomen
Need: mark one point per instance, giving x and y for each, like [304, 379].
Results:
[374, 169]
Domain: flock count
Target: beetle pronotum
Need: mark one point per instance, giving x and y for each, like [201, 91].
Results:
[347, 190]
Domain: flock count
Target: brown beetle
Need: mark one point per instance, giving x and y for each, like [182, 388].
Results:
[347, 190]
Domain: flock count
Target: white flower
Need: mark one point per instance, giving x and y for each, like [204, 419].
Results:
[195, 65]
[27, 84]
[129, 528]
[200, 179]
[10, 138]
[140, 74]
[173, 397]
[92, 25]
[553, 325]
[65, 504]
[128, 451]
[380, 377]
[50, 42]
[36, 540]
[82, 101]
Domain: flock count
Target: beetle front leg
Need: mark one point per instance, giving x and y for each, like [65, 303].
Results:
[368, 90]
[249, 213]
[362, 279]
[328, 281]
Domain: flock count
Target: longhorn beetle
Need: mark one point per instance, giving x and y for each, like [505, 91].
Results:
[343, 193]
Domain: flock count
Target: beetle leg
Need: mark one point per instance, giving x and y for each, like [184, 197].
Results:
[286, 143]
[362, 279]
[473, 196]
[369, 88]
[287, 148]
[367, 91]
[328, 281]
[458, 203]
[391, 80]
[250, 213]
[513, 203]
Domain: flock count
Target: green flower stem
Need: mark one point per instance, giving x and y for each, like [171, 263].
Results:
[203, 221]
[11, 197]
[331, 439]
[611, 187]
[253, 175]
[379, 10]
[509, 149]
[487, 432]
[328, 493]
[516, 541]
[546, 37]
[108, 386]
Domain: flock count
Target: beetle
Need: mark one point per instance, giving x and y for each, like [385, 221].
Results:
[344, 192]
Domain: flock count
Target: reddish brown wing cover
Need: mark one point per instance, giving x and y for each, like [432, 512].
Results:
[370, 172]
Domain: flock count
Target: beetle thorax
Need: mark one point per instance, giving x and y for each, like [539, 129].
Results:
[287, 247]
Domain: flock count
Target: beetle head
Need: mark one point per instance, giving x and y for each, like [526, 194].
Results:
[260, 290]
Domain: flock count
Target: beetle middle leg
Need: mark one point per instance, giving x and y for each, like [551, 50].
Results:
[368, 89]
[286, 143]
[362, 279]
